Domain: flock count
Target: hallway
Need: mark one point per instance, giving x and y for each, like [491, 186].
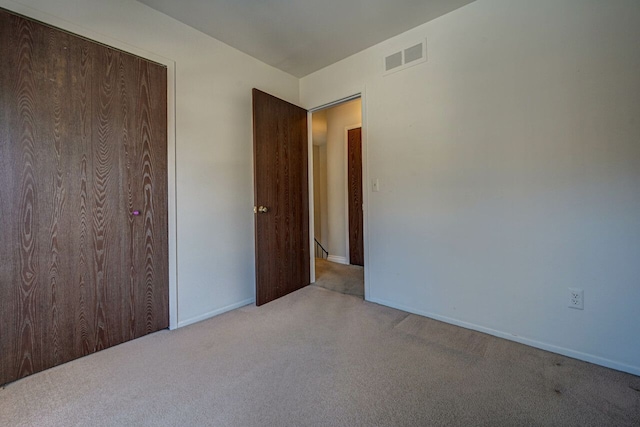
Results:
[346, 279]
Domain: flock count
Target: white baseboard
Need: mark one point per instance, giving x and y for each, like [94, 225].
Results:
[215, 312]
[608, 363]
[338, 259]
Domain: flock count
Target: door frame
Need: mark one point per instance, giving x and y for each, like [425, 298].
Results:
[346, 186]
[365, 183]
[171, 128]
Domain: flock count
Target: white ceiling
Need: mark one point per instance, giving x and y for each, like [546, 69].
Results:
[302, 36]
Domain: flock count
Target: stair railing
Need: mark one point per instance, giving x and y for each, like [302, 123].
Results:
[321, 252]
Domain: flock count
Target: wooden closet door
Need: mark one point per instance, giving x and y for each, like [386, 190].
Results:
[355, 197]
[82, 146]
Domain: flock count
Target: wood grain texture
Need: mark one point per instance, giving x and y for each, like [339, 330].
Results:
[151, 248]
[354, 184]
[281, 184]
[82, 151]
[20, 147]
[8, 231]
[82, 145]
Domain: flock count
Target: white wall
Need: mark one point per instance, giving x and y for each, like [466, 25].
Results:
[509, 167]
[319, 132]
[317, 192]
[323, 237]
[215, 243]
[319, 127]
[338, 117]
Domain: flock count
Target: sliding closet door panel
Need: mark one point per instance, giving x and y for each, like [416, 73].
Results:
[150, 260]
[83, 208]
[20, 202]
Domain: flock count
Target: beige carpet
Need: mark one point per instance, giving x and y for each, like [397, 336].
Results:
[321, 358]
[346, 279]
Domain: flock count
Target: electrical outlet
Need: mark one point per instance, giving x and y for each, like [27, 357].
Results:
[576, 298]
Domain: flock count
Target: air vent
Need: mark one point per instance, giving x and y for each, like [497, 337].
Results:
[393, 61]
[413, 53]
[405, 58]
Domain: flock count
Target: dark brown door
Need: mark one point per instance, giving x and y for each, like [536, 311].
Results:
[356, 241]
[281, 197]
[83, 207]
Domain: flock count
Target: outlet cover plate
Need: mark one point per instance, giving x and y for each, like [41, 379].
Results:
[576, 298]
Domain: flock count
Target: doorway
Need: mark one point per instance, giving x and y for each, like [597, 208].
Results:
[337, 196]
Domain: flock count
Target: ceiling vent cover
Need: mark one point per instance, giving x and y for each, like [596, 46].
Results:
[405, 58]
